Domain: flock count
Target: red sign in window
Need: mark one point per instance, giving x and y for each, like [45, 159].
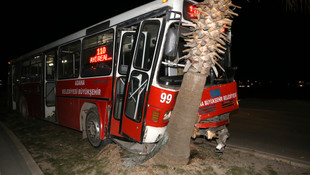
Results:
[193, 12]
[100, 56]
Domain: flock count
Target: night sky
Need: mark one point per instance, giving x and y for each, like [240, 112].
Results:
[269, 43]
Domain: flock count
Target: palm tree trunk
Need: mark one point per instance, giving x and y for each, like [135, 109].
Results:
[182, 122]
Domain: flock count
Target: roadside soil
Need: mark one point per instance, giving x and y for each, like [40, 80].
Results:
[60, 150]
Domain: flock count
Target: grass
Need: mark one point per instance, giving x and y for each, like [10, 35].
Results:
[208, 170]
[161, 166]
[270, 170]
[60, 150]
[234, 170]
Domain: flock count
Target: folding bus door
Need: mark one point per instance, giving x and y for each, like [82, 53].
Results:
[50, 86]
[138, 80]
[125, 55]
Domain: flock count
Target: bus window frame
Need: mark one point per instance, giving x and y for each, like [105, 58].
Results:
[122, 77]
[179, 65]
[148, 72]
[140, 34]
[140, 91]
[59, 57]
[112, 52]
[55, 62]
[24, 66]
[134, 35]
[38, 65]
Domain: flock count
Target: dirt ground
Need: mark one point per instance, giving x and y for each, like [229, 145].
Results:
[59, 150]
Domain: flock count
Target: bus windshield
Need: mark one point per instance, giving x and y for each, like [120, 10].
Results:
[171, 69]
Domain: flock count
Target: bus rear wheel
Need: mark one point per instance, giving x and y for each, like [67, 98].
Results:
[93, 128]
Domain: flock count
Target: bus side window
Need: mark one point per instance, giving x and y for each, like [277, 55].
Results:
[36, 68]
[120, 90]
[125, 57]
[69, 60]
[146, 45]
[97, 54]
[136, 95]
[50, 65]
[25, 70]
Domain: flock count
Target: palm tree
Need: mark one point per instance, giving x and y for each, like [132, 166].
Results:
[205, 41]
[302, 6]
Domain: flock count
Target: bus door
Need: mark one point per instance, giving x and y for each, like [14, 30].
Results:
[14, 87]
[132, 121]
[50, 86]
[125, 54]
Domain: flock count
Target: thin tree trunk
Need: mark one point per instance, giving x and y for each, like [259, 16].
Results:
[182, 122]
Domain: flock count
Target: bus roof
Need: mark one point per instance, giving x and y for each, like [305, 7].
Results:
[175, 5]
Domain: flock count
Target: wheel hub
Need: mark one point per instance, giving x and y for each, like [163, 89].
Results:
[93, 129]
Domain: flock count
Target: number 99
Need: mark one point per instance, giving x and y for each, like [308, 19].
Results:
[165, 98]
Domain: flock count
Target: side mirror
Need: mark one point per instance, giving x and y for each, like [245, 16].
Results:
[171, 45]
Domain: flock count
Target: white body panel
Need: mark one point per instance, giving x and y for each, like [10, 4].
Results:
[153, 134]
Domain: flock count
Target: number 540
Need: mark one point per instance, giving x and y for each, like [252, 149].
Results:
[165, 98]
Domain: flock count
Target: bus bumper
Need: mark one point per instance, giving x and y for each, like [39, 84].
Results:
[153, 134]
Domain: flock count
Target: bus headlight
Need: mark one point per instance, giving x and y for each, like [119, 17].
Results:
[167, 116]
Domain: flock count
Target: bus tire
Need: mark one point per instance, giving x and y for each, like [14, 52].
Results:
[93, 128]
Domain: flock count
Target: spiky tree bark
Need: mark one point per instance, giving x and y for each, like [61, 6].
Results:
[301, 6]
[205, 41]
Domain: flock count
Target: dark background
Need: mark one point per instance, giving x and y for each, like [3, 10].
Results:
[269, 44]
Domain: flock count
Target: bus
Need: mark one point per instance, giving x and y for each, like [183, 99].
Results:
[117, 80]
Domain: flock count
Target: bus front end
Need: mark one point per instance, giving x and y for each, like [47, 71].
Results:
[219, 96]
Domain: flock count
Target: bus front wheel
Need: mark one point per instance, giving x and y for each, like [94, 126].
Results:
[93, 128]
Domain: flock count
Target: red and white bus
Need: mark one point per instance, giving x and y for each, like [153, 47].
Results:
[117, 79]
